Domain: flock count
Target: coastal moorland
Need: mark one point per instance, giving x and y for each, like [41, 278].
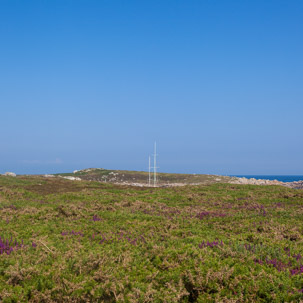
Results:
[92, 240]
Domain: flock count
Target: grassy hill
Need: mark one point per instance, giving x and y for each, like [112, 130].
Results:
[122, 176]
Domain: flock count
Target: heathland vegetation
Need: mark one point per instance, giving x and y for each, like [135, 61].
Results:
[88, 241]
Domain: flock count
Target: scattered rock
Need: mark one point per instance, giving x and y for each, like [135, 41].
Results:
[295, 184]
[10, 174]
[113, 173]
[253, 181]
[72, 178]
[87, 170]
[49, 176]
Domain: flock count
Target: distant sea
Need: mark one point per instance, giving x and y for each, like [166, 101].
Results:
[283, 178]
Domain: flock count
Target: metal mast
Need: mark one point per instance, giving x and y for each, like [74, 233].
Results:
[155, 164]
[148, 170]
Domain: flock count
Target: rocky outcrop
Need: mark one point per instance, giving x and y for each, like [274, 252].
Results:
[10, 174]
[295, 184]
[253, 181]
[87, 170]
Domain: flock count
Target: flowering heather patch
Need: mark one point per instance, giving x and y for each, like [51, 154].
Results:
[253, 207]
[279, 265]
[226, 205]
[8, 246]
[96, 218]
[287, 263]
[297, 270]
[278, 204]
[120, 236]
[210, 244]
[202, 215]
[11, 206]
[102, 237]
[297, 257]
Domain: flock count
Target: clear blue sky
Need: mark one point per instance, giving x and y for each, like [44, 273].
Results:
[218, 84]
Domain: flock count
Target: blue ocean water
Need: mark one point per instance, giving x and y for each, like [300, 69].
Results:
[282, 178]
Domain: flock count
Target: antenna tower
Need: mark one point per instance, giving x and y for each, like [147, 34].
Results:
[155, 164]
[148, 170]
